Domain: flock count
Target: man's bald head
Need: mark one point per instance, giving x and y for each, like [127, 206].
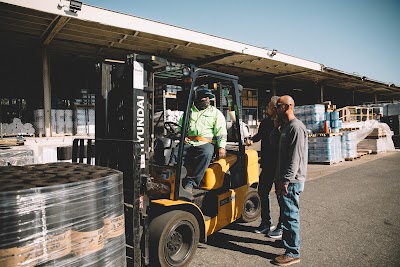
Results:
[287, 100]
[285, 108]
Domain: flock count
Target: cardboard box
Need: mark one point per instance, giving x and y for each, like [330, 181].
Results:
[246, 102]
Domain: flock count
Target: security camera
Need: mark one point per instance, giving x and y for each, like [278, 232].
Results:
[75, 6]
[272, 53]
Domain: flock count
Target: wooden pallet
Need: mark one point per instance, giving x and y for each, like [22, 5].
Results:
[360, 151]
[61, 134]
[15, 135]
[325, 134]
[326, 162]
[349, 129]
[6, 143]
[359, 155]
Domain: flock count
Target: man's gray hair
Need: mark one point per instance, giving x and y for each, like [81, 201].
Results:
[274, 99]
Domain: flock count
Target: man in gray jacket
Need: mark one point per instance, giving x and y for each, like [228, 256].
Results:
[290, 177]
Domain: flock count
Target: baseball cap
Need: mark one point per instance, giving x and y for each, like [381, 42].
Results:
[203, 92]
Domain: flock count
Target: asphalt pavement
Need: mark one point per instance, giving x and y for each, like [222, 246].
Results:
[350, 216]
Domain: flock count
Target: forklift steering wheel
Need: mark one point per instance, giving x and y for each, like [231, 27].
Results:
[172, 128]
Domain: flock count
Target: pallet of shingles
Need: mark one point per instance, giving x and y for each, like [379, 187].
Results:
[376, 134]
[375, 145]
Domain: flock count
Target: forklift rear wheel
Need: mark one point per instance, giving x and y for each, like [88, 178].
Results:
[174, 237]
[252, 206]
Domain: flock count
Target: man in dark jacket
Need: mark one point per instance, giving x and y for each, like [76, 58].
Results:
[268, 133]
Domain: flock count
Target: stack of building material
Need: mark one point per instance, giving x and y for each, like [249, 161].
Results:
[328, 106]
[17, 128]
[61, 122]
[61, 215]
[325, 148]
[249, 98]
[38, 115]
[16, 156]
[173, 115]
[375, 141]
[69, 121]
[86, 98]
[313, 116]
[169, 89]
[334, 122]
[84, 120]
[375, 145]
[349, 145]
[376, 133]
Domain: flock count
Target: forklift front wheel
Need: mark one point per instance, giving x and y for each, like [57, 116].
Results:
[252, 206]
[174, 237]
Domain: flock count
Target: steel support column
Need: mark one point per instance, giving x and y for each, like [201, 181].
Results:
[273, 86]
[46, 92]
[321, 93]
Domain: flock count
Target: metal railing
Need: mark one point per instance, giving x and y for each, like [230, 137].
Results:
[356, 113]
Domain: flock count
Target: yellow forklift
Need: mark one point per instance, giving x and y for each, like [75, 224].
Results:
[163, 222]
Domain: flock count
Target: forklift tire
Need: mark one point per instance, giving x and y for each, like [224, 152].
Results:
[251, 206]
[173, 238]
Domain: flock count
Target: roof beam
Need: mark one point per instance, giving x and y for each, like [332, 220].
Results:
[173, 48]
[279, 76]
[55, 26]
[123, 38]
[209, 60]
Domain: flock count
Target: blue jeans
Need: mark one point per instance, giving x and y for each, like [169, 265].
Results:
[291, 219]
[197, 158]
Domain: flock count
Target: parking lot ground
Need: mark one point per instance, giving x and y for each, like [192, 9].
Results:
[350, 216]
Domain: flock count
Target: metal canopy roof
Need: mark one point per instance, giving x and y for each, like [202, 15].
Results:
[98, 33]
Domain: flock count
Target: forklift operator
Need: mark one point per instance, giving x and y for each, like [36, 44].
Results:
[207, 128]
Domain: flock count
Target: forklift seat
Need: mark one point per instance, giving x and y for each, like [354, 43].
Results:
[215, 173]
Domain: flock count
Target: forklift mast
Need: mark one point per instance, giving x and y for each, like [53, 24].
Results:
[122, 142]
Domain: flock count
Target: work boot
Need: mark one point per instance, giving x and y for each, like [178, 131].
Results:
[285, 260]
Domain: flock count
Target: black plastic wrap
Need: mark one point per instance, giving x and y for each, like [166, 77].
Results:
[61, 214]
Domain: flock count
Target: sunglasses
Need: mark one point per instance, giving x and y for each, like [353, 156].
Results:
[278, 105]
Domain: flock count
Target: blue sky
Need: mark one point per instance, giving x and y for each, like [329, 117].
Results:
[355, 36]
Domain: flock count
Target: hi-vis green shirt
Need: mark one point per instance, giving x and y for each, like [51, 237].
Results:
[209, 123]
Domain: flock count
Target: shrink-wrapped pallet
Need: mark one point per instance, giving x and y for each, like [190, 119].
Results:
[61, 214]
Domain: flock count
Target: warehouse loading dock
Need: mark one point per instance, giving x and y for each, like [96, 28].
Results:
[63, 49]
[55, 51]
